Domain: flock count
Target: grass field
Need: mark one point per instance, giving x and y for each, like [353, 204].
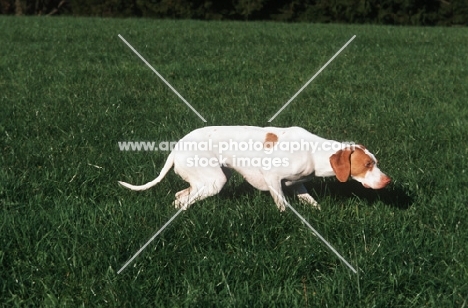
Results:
[70, 90]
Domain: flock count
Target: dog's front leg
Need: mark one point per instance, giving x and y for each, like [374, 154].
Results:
[277, 194]
[303, 195]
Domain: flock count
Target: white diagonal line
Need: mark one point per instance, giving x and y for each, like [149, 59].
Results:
[315, 231]
[162, 78]
[310, 80]
[160, 230]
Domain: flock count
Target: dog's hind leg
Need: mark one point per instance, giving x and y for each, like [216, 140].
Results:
[204, 182]
[183, 193]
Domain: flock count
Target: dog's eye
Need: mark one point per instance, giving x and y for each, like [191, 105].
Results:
[369, 164]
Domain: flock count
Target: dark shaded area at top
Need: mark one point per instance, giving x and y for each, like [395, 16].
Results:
[388, 12]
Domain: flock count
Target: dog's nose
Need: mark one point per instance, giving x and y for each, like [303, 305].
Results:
[385, 180]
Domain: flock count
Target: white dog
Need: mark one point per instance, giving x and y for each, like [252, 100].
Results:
[268, 158]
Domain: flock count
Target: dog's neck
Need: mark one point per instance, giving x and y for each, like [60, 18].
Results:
[322, 161]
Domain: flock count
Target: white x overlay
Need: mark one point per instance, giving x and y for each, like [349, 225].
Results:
[315, 231]
[162, 78]
[271, 119]
[182, 208]
[310, 80]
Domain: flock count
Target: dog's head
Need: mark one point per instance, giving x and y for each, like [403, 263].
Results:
[360, 164]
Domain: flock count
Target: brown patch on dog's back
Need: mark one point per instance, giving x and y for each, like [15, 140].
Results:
[270, 140]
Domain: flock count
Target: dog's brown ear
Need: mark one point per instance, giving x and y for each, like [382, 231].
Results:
[341, 164]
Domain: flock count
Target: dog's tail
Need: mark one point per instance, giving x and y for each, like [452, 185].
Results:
[167, 166]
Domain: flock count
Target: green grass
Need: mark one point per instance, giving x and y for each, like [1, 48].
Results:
[70, 90]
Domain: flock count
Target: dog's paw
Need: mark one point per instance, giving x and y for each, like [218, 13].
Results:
[307, 199]
[281, 208]
[316, 206]
[179, 205]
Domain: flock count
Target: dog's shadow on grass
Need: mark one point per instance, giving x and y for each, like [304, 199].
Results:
[392, 195]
